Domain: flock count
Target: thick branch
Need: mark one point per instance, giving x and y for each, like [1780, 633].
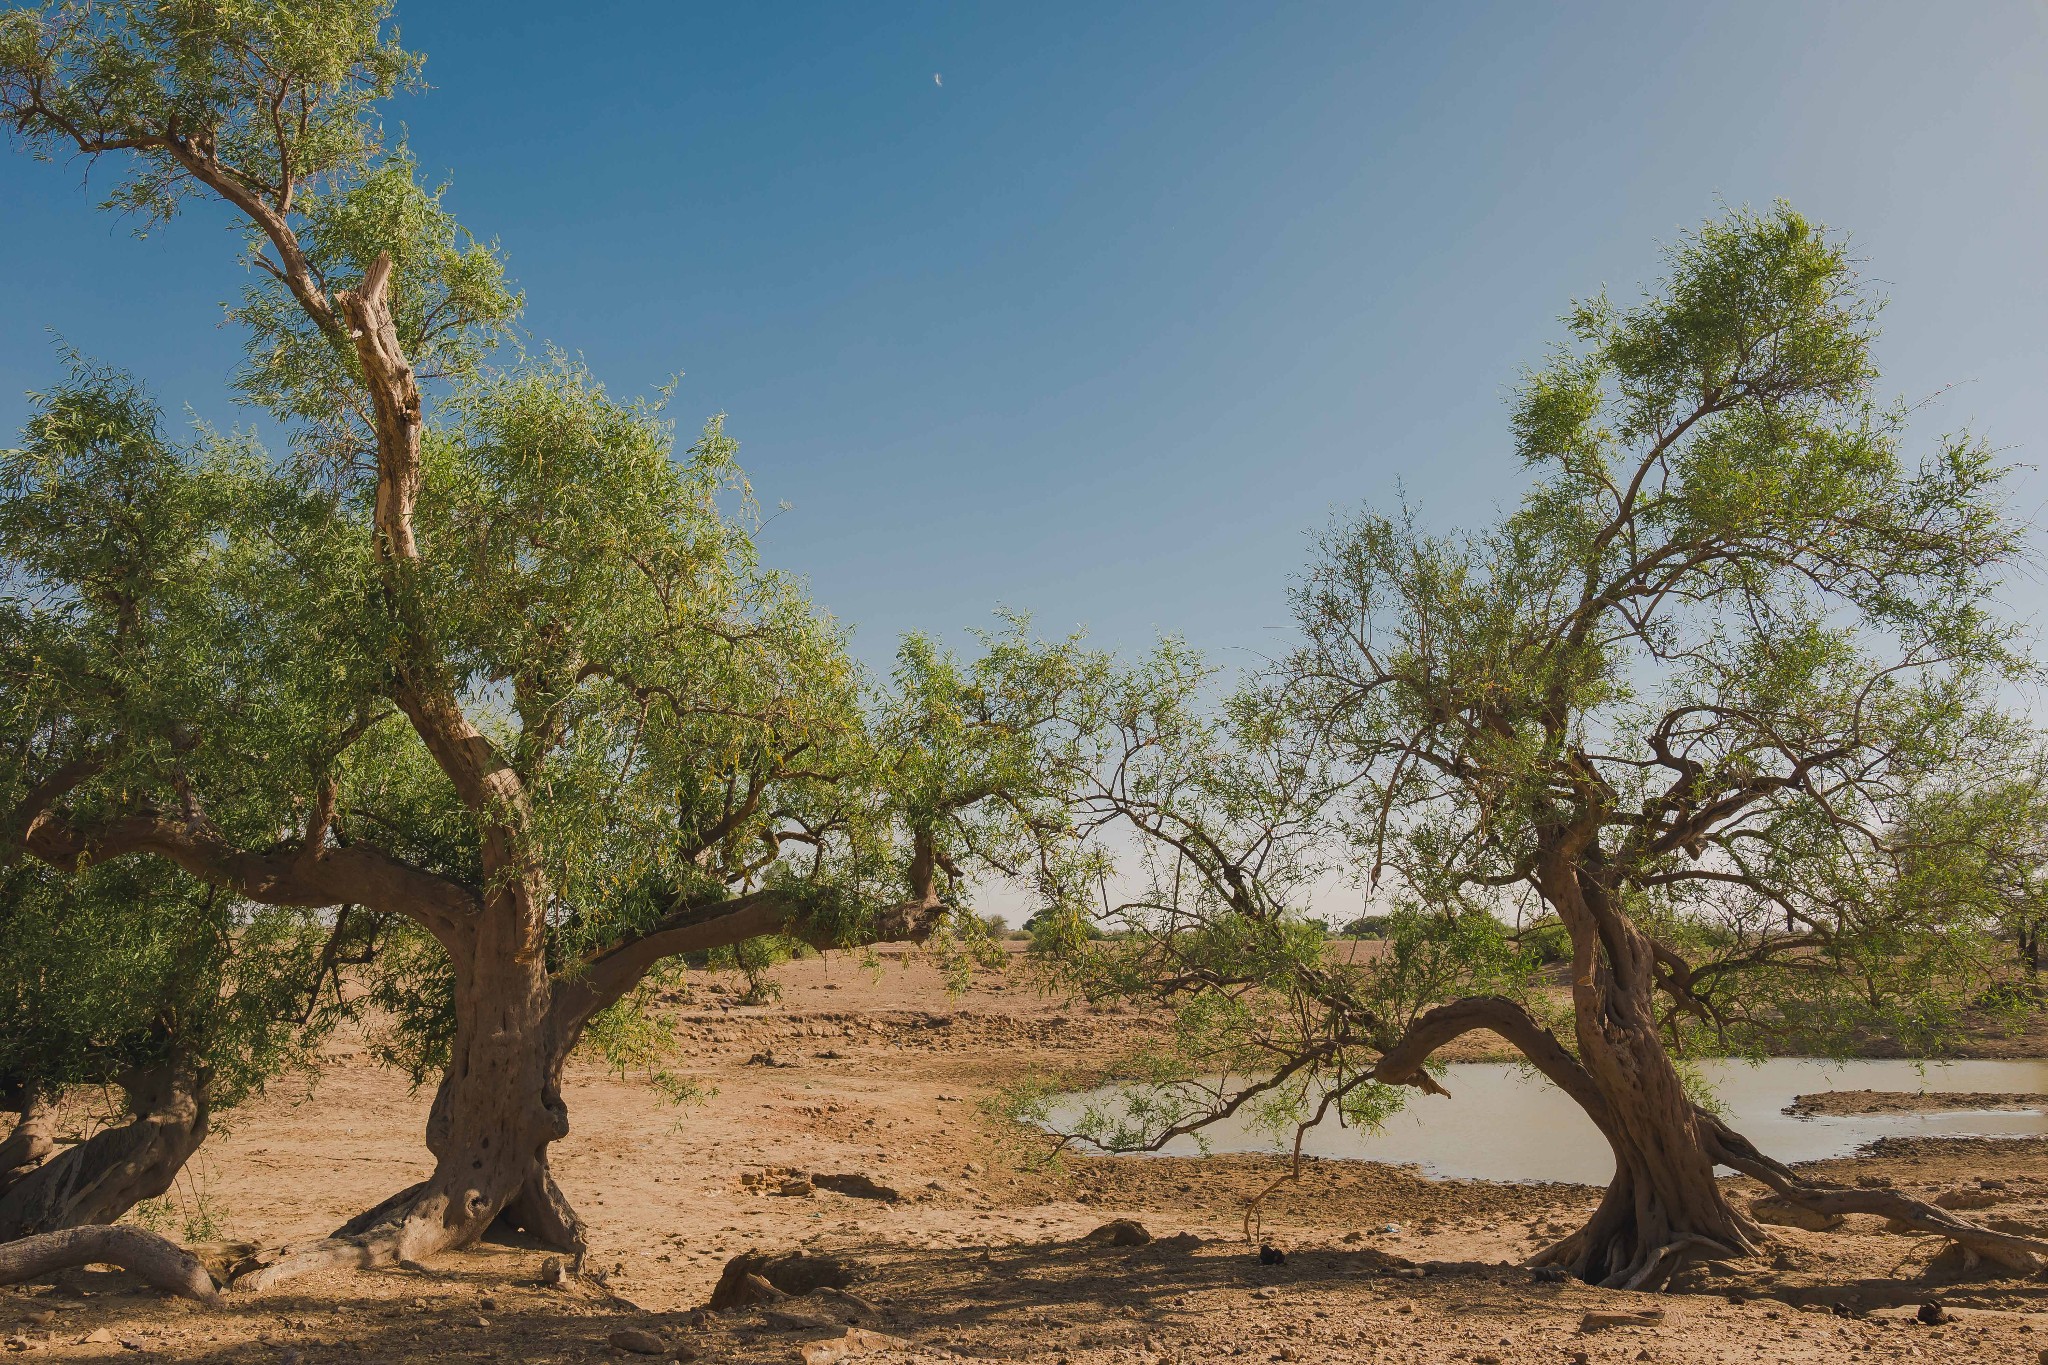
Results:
[357, 873]
[1402, 1063]
[607, 978]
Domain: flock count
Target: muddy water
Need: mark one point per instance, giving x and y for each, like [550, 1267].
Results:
[1501, 1122]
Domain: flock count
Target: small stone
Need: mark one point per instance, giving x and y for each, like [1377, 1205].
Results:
[1120, 1232]
[856, 1341]
[487, 1304]
[1600, 1322]
[99, 1336]
[43, 1317]
[1269, 1292]
[638, 1342]
[1644, 1354]
[479, 1321]
[1933, 1313]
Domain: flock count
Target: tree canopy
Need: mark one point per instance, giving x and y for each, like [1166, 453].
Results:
[1709, 695]
[485, 659]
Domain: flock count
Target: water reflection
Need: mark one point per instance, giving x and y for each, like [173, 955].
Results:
[1502, 1122]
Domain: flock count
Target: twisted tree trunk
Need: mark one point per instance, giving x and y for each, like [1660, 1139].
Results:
[32, 1139]
[499, 1106]
[98, 1180]
[1663, 1207]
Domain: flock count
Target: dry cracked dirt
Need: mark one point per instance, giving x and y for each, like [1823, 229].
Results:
[961, 1250]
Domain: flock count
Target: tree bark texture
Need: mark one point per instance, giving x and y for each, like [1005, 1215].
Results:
[102, 1178]
[1663, 1207]
[161, 1262]
[32, 1140]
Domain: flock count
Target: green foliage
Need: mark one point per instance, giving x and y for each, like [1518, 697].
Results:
[131, 966]
[1719, 690]
[631, 1037]
[286, 91]
[209, 660]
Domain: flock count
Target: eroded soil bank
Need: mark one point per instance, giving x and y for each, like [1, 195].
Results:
[1849, 1102]
[880, 1078]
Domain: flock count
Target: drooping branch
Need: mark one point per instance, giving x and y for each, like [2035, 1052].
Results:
[1402, 1064]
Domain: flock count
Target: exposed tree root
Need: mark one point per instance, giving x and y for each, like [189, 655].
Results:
[367, 1251]
[410, 1226]
[2025, 1255]
[163, 1263]
[541, 1210]
[387, 1210]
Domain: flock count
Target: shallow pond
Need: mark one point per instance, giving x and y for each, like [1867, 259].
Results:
[1501, 1122]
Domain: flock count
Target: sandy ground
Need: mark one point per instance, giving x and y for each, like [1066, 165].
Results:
[879, 1076]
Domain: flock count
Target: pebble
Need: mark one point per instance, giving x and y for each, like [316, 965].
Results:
[638, 1342]
[1269, 1292]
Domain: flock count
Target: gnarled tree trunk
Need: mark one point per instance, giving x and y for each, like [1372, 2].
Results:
[499, 1106]
[1663, 1206]
[100, 1179]
[33, 1138]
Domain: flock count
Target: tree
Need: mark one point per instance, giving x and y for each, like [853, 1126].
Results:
[1999, 827]
[1685, 698]
[132, 978]
[483, 658]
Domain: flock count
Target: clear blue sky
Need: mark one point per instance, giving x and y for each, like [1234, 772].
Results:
[1101, 325]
